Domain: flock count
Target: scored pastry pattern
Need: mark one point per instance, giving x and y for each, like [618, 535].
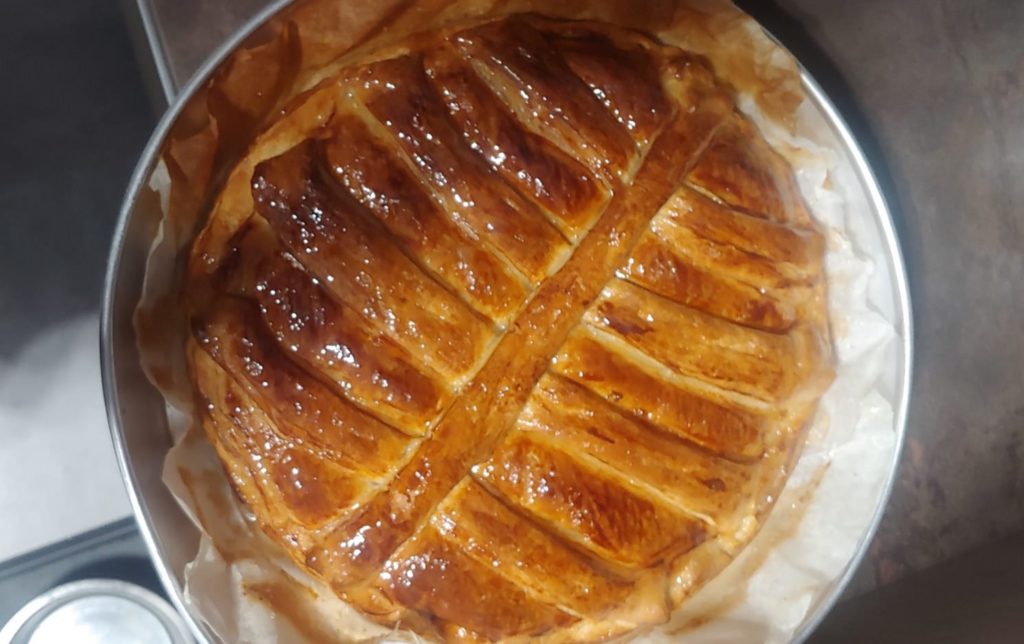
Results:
[532, 316]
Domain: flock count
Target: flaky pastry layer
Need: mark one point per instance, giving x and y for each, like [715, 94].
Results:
[520, 334]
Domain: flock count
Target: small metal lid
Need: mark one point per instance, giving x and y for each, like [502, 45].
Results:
[96, 611]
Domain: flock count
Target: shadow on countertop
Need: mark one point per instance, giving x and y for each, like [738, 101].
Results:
[977, 597]
[74, 117]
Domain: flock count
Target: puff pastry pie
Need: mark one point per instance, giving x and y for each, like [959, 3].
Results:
[520, 334]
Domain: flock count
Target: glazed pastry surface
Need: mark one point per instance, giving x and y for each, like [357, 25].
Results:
[520, 335]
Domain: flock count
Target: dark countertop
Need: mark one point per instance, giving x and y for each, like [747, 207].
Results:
[935, 91]
[73, 119]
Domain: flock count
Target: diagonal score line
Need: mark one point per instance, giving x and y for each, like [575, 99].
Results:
[489, 405]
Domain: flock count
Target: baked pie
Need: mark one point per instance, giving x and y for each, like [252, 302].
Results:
[518, 334]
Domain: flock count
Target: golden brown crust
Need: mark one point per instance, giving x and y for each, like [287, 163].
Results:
[523, 329]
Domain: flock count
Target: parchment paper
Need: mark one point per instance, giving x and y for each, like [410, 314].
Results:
[240, 583]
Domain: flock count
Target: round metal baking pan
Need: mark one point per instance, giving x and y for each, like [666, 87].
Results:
[92, 611]
[137, 412]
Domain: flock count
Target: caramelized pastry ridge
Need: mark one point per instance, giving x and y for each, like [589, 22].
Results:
[530, 320]
[463, 183]
[378, 180]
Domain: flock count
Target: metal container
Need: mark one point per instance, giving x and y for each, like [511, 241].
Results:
[136, 410]
[96, 611]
